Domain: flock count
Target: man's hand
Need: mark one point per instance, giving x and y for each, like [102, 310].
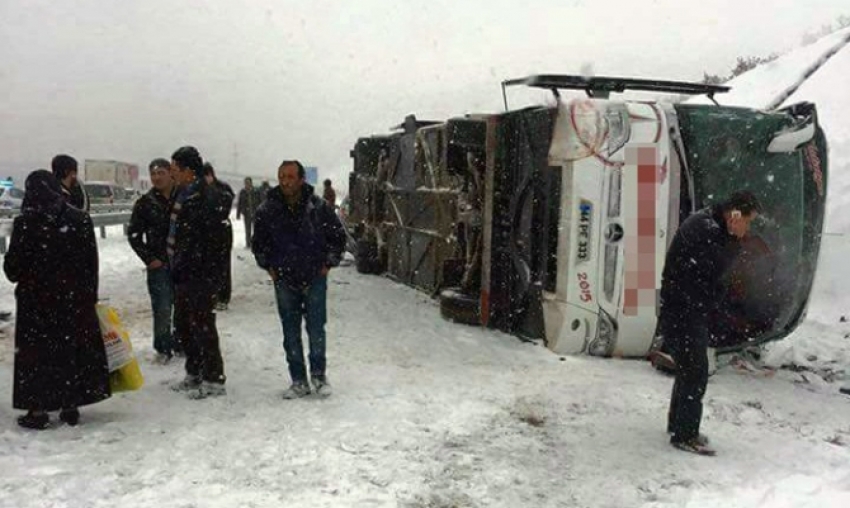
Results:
[325, 271]
[155, 265]
[273, 274]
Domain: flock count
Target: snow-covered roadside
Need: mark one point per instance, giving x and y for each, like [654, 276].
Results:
[820, 347]
[425, 414]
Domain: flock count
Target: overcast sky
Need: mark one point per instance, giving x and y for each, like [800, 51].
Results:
[252, 82]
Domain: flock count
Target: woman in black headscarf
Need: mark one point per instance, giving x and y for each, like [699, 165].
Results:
[60, 359]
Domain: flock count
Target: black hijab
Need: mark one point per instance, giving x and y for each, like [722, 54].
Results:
[43, 194]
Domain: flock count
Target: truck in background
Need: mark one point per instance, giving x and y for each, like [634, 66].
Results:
[124, 174]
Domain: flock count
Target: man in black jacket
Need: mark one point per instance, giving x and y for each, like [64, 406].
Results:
[65, 170]
[298, 239]
[700, 254]
[148, 233]
[224, 204]
[249, 201]
[195, 267]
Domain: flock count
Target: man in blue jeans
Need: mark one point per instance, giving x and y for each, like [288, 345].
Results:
[148, 232]
[298, 238]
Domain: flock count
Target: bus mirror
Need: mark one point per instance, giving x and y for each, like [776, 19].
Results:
[790, 140]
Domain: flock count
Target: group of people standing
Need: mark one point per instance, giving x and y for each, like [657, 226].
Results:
[181, 231]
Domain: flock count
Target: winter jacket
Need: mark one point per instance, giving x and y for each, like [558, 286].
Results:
[249, 201]
[76, 196]
[697, 261]
[148, 228]
[60, 360]
[329, 196]
[198, 229]
[223, 231]
[297, 243]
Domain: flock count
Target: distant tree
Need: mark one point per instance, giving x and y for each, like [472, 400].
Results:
[712, 79]
[749, 63]
[842, 21]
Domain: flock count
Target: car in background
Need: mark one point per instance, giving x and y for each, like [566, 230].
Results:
[106, 193]
[132, 194]
[11, 198]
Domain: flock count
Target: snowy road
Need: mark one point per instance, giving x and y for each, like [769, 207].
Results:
[424, 414]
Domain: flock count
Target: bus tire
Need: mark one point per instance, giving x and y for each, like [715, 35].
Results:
[366, 259]
[460, 308]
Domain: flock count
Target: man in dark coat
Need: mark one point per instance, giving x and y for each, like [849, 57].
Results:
[700, 254]
[196, 269]
[60, 359]
[329, 194]
[224, 238]
[147, 233]
[249, 201]
[264, 191]
[65, 170]
[298, 240]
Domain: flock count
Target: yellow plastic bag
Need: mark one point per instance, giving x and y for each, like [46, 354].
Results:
[124, 372]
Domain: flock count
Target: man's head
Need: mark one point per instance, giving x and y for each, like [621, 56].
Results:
[209, 173]
[327, 183]
[186, 166]
[160, 171]
[290, 176]
[740, 210]
[65, 170]
[249, 184]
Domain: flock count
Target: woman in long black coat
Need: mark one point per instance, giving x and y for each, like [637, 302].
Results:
[60, 359]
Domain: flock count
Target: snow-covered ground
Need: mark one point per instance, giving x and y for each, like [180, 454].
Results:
[425, 414]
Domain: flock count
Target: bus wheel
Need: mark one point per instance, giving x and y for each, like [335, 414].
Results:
[366, 259]
[460, 308]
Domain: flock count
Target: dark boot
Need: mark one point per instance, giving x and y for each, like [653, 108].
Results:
[70, 416]
[34, 421]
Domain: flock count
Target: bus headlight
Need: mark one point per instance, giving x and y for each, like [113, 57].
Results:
[606, 336]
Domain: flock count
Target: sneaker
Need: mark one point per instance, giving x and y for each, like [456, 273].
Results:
[297, 391]
[845, 390]
[694, 446]
[207, 389]
[70, 416]
[187, 384]
[322, 387]
[221, 306]
[34, 421]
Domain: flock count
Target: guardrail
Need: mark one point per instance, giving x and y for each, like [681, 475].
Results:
[101, 215]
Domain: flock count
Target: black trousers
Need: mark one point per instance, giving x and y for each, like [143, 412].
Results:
[225, 288]
[249, 230]
[687, 341]
[195, 330]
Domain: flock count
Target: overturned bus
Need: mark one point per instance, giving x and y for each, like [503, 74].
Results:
[553, 222]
